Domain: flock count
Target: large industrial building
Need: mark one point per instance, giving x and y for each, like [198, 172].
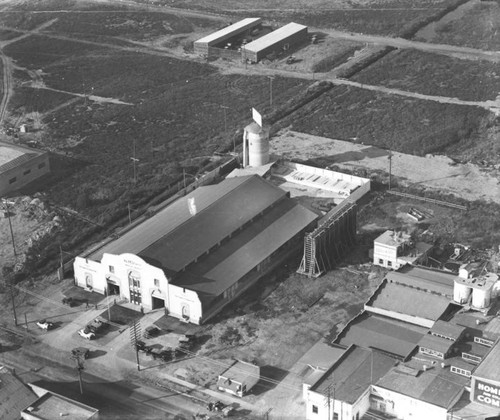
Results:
[281, 39]
[427, 346]
[199, 253]
[20, 165]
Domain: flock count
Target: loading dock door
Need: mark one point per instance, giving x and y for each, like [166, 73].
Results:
[157, 303]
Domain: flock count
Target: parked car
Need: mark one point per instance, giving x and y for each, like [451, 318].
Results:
[86, 333]
[151, 331]
[95, 326]
[142, 347]
[45, 325]
[164, 353]
[69, 301]
[81, 352]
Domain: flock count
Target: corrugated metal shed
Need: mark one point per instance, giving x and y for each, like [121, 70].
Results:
[229, 31]
[246, 249]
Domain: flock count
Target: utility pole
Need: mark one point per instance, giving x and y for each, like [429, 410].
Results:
[79, 368]
[11, 287]
[271, 78]
[129, 217]
[7, 209]
[390, 168]
[135, 333]
[134, 160]
[330, 393]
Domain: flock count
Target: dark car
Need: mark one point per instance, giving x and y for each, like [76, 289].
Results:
[69, 301]
[80, 352]
[151, 331]
[142, 347]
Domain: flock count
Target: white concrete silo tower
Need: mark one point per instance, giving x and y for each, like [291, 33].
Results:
[255, 145]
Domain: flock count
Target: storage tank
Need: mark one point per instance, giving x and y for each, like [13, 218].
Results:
[461, 291]
[255, 145]
[481, 295]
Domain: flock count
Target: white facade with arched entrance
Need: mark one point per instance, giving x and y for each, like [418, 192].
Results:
[130, 277]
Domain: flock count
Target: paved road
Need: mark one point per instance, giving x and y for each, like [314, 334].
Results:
[114, 399]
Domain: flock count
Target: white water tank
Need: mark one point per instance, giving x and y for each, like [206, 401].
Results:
[461, 291]
[481, 297]
[255, 145]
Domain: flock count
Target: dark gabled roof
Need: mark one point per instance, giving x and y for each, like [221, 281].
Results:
[439, 344]
[14, 395]
[189, 227]
[437, 386]
[447, 329]
[353, 373]
[247, 248]
[386, 334]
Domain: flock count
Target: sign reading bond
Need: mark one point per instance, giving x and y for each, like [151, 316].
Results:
[487, 394]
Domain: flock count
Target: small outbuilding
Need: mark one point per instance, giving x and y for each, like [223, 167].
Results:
[281, 39]
[239, 378]
[20, 165]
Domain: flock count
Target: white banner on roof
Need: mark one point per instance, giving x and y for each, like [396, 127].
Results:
[257, 117]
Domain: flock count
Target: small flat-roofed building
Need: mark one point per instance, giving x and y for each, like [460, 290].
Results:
[20, 165]
[14, 395]
[196, 255]
[396, 338]
[407, 304]
[437, 282]
[281, 39]
[50, 406]
[347, 384]
[202, 45]
[240, 378]
[428, 393]
[485, 385]
[395, 249]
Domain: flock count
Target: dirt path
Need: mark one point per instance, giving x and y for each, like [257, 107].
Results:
[6, 85]
[456, 51]
[437, 172]
[224, 68]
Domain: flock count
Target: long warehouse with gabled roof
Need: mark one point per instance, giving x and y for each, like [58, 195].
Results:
[199, 253]
[239, 28]
[281, 39]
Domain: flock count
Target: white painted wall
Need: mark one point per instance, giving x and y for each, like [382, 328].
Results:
[407, 408]
[123, 269]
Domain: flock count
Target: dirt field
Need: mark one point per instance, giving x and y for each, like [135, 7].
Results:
[479, 28]
[433, 74]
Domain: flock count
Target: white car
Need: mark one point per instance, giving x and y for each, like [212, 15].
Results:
[89, 335]
[45, 325]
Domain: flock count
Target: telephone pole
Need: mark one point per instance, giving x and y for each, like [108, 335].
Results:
[135, 333]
